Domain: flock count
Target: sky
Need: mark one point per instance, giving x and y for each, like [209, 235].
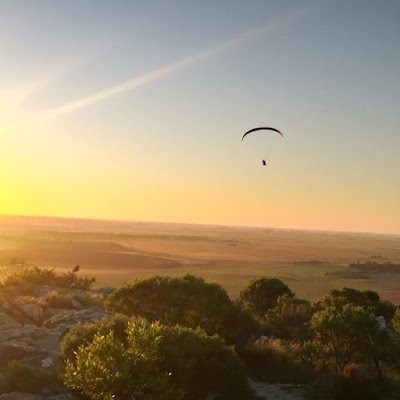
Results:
[135, 110]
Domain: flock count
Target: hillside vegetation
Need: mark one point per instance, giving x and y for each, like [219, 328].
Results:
[181, 337]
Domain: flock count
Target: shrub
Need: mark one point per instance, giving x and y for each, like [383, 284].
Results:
[55, 299]
[28, 278]
[289, 319]
[106, 369]
[262, 293]
[187, 301]
[202, 364]
[161, 362]
[276, 360]
[11, 267]
[83, 334]
[70, 280]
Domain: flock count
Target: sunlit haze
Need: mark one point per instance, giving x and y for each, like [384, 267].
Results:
[135, 110]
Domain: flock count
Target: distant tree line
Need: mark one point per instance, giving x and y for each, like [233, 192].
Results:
[374, 267]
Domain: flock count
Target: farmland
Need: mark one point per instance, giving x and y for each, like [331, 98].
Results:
[309, 262]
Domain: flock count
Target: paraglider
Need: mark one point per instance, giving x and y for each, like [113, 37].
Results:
[264, 162]
[262, 128]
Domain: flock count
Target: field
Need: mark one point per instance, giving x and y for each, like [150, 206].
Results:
[309, 262]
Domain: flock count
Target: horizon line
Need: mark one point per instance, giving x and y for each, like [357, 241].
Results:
[119, 220]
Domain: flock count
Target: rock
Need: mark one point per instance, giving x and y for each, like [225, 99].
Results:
[20, 396]
[33, 311]
[78, 294]
[8, 322]
[39, 345]
[70, 319]
[281, 391]
[381, 323]
[52, 312]
[262, 340]
[31, 396]
[15, 351]
[31, 332]
[43, 290]
[104, 291]
[47, 362]
[23, 311]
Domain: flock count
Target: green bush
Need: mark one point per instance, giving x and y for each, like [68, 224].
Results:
[187, 301]
[81, 335]
[105, 369]
[166, 363]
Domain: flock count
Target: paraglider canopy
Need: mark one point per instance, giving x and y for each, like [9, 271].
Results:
[262, 128]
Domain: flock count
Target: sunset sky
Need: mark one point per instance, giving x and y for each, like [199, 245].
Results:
[135, 110]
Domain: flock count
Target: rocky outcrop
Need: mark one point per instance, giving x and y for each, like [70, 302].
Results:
[32, 328]
[33, 344]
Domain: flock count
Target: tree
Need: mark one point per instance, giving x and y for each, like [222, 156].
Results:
[343, 334]
[262, 293]
[367, 299]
